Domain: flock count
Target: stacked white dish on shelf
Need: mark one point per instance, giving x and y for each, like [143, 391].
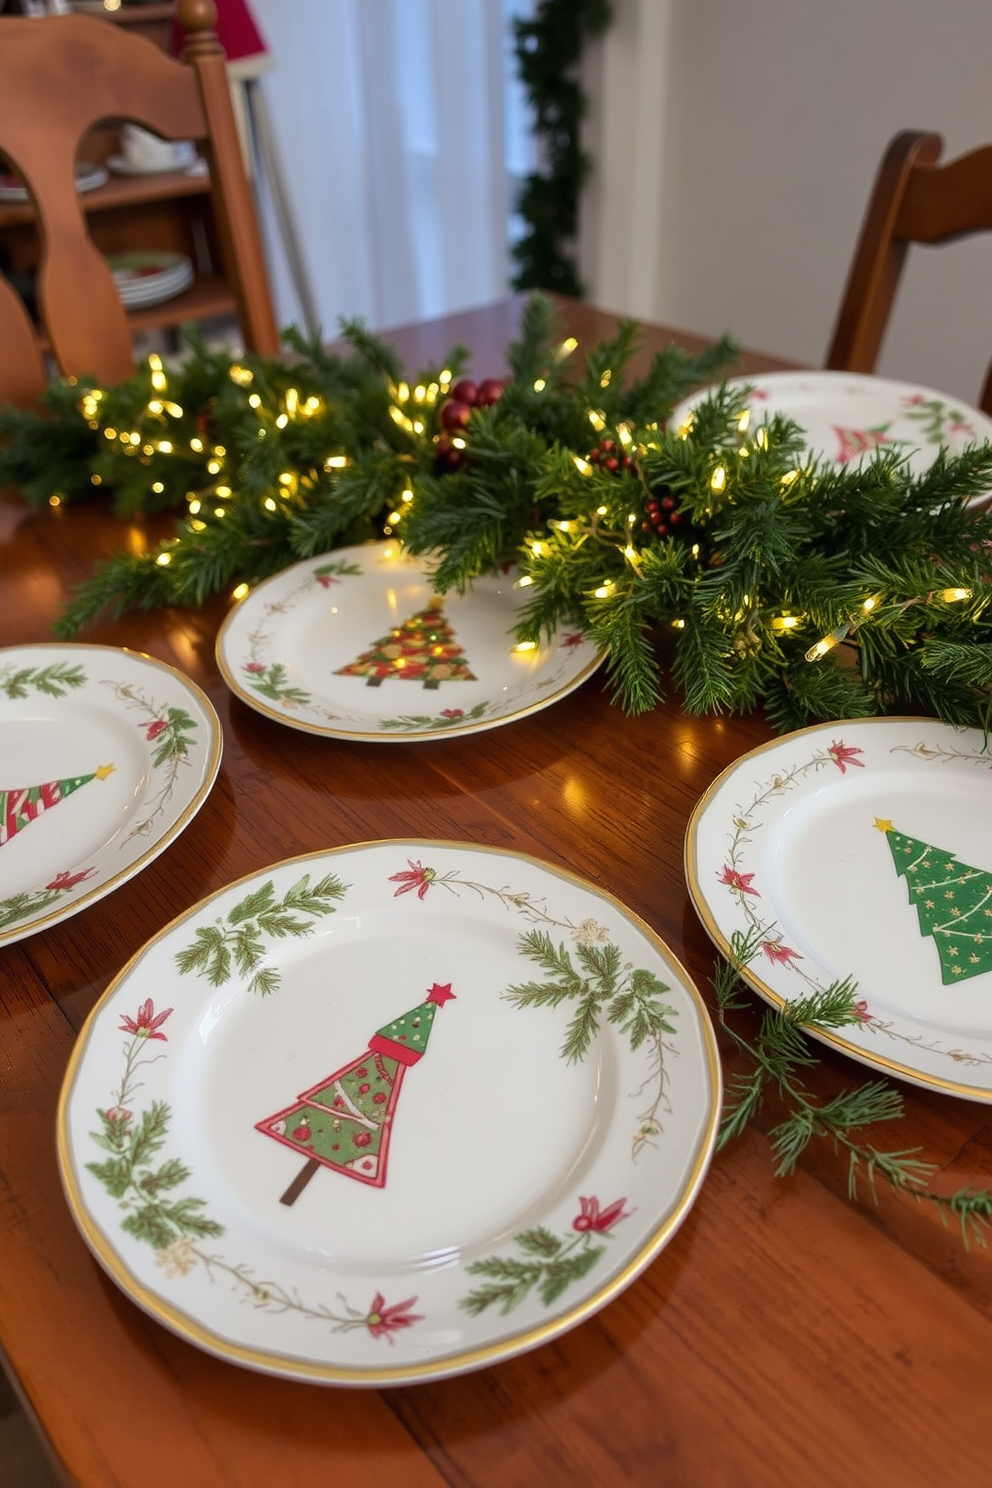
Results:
[149, 278]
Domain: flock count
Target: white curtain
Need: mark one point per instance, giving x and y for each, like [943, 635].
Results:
[390, 119]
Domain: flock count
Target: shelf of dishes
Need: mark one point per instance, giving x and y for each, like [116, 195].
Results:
[207, 297]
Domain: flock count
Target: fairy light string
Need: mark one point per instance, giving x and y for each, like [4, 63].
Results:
[715, 558]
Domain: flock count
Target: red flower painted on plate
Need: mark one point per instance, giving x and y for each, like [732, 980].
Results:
[591, 1217]
[452, 712]
[147, 1023]
[574, 639]
[739, 883]
[362, 1139]
[418, 878]
[254, 666]
[383, 1321]
[326, 580]
[779, 953]
[69, 880]
[843, 755]
[118, 1113]
[152, 730]
[861, 1012]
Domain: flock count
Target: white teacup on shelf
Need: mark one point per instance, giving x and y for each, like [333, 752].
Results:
[144, 151]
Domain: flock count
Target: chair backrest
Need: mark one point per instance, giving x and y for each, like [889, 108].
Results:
[60, 77]
[914, 200]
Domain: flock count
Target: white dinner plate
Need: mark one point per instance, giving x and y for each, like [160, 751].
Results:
[356, 645]
[849, 416]
[863, 849]
[88, 178]
[389, 1112]
[149, 278]
[106, 756]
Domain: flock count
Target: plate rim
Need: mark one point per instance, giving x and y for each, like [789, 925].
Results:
[700, 904]
[465, 1360]
[326, 731]
[212, 762]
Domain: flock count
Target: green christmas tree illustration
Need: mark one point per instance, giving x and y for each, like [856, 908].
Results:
[345, 1121]
[422, 649]
[19, 807]
[953, 902]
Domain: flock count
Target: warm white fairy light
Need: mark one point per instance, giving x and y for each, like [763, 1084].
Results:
[718, 480]
[223, 492]
[155, 406]
[220, 451]
[525, 582]
[239, 591]
[458, 443]
[219, 511]
[538, 548]
[605, 590]
[827, 643]
[418, 427]
[596, 419]
[291, 401]
[678, 625]
[336, 462]
[419, 393]
[407, 495]
[601, 511]
[761, 437]
[951, 596]
[626, 437]
[582, 466]
[269, 504]
[241, 375]
[163, 560]
[194, 506]
[164, 447]
[214, 467]
[254, 401]
[789, 477]
[540, 385]
[158, 487]
[282, 421]
[395, 517]
[196, 445]
[606, 378]
[525, 646]
[743, 420]
[785, 622]
[685, 427]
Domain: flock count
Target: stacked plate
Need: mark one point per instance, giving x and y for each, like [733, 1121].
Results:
[88, 178]
[144, 279]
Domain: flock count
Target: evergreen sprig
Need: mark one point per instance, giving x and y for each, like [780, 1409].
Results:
[776, 1057]
[237, 942]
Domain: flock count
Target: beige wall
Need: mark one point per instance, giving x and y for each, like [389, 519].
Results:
[736, 142]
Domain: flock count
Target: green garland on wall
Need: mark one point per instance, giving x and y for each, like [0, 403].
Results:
[548, 49]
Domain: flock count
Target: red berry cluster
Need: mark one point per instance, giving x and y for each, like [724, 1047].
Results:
[608, 455]
[663, 516]
[456, 411]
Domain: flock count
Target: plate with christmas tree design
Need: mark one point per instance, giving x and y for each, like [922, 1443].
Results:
[389, 1112]
[850, 417]
[357, 645]
[863, 850]
[108, 755]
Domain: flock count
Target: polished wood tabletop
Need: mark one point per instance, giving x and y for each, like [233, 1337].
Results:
[786, 1335]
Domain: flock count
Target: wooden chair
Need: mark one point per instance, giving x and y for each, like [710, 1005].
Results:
[914, 200]
[60, 77]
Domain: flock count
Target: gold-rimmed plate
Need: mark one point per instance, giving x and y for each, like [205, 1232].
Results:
[389, 1112]
[107, 755]
[357, 645]
[862, 849]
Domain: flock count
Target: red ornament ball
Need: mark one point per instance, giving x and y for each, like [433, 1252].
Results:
[490, 391]
[456, 413]
[465, 391]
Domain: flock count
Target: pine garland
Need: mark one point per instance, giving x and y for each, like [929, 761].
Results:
[818, 592]
[548, 49]
[775, 1060]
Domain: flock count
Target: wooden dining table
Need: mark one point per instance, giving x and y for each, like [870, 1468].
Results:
[786, 1334]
